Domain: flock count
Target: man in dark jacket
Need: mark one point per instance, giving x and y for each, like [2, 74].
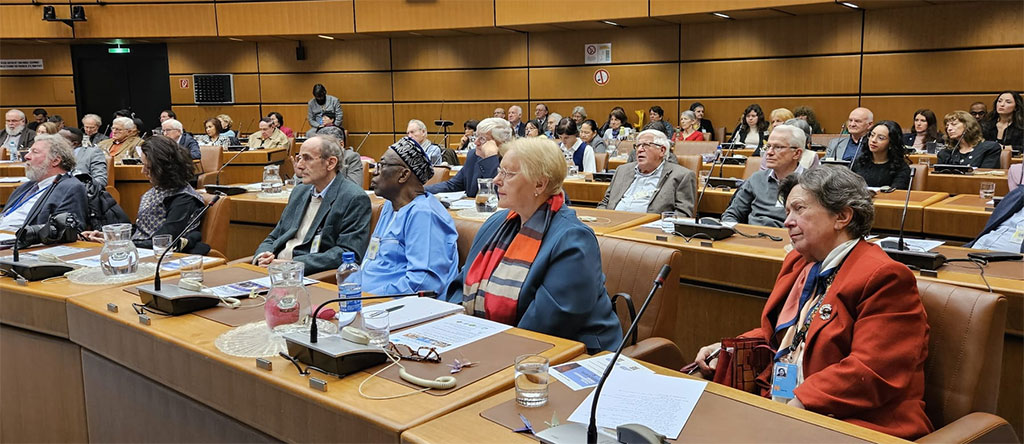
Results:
[46, 165]
[15, 136]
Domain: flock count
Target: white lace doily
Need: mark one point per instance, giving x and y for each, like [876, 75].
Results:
[472, 213]
[255, 340]
[95, 276]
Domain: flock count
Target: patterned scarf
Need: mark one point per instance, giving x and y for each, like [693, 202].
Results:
[153, 214]
[496, 275]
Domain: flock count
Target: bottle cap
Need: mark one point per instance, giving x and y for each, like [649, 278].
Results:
[348, 256]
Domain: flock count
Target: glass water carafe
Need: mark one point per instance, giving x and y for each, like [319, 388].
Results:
[272, 182]
[119, 255]
[288, 304]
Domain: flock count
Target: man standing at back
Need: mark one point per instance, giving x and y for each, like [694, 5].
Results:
[846, 148]
[321, 102]
[46, 165]
[413, 246]
[325, 216]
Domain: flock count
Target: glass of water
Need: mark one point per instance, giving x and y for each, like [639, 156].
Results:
[987, 190]
[192, 268]
[378, 327]
[160, 244]
[668, 221]
[704, 175]
[574, 171]
[531, 380]
[486, 196]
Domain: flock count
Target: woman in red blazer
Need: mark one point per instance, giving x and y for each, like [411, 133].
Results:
[843, 316]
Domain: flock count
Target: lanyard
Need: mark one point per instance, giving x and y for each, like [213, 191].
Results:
[22, 200]
[801, 334]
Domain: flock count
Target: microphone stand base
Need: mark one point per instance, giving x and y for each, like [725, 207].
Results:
[572, 433]
[922, 260]
[175, 300]
[33, 270]
[333, 354]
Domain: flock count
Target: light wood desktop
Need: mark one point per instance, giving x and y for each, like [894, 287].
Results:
[967, 183]
[723, 414]
[962, 216]
[179, 353]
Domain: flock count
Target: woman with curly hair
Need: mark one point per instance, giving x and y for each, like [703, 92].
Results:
[884, 163]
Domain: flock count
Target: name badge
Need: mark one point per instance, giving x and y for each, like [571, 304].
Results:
[315, 248]
[373, 248]
[783, 380]
[1018, 236]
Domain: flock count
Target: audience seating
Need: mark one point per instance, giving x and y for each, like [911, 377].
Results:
[215, 223]
[965, 350]
[920, 176]
[110, 180]
[367, 174]
[720, 134]
[467, 229]
[601, 161]
[210, 164]
[441, 174]
[624, 146]
[823, 139]
[702, 147]
[753, 165]
[1004, 158]
[692, 162]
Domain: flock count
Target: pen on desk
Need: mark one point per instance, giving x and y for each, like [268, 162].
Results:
[391, 309]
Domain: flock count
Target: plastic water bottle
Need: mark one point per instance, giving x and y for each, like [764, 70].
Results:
[350, 285]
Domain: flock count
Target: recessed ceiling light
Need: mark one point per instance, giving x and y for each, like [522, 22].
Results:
[719, 14]
[235, 40]
[325, 37]
[849, 5]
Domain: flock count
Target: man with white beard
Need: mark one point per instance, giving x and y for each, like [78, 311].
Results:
[15, 137]
[46, 165]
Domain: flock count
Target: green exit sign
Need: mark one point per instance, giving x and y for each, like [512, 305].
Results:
[119, 50]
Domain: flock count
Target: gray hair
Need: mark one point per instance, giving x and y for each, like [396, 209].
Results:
[581, 110]
[419, 124]
[556, 116]
[94, 118]
[125, 123]
[499, 129]
[329, 147]
[516, 107]
[803, 125]
[59, 148]
[659, 137]
[795, 137]
[173, 123]
[689, 115]
[836, 188]
[18, 112]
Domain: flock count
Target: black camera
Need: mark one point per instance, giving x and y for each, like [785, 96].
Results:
[59, 229]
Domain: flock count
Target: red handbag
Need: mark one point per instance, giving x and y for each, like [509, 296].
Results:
[740, 363]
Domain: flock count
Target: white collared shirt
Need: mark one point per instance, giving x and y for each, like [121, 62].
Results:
[13, 221]
[589, 162]
[639, 194]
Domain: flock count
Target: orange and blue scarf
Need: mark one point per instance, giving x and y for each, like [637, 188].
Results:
[496, 276]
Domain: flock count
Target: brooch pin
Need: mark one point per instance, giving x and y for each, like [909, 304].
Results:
[826, 312]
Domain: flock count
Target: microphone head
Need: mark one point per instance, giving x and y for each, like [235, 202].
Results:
[216, 197]
[663, 274]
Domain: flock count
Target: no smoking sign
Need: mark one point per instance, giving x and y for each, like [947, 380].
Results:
[601, 77]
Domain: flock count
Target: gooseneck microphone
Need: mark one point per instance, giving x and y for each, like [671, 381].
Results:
[239, 153]
[696, 217]
[313, 329]
[898, 251]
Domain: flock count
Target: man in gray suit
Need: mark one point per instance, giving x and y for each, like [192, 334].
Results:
[845, 148]
[324, 217]
[651, 184]
[88, 159]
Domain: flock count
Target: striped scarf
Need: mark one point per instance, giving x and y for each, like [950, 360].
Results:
[496, 275]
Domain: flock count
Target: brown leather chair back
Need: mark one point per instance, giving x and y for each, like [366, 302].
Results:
[441, 174]
[110, 171]
[215, 222]
[823, 139]
[920, 176]
[210, 157]
[720, 134]
[965, 349]
[467, 229]
[753, 166]
[700, 147]
[692, 162]
[601, 161]
[624, 146]
[630, 267]
[367, 175]
[376, 204]
[1004, 158]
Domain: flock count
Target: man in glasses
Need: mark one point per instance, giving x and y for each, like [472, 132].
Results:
[757, 201]
[651, 184]
[324, 217]
[413, 246]
[978, 110]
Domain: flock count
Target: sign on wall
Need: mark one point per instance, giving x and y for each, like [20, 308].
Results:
[597, 53]
[601, 77]
[21, 63]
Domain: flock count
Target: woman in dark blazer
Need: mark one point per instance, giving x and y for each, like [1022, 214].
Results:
[925, 130]
[535, 265]
[1005, 123]
[965, 145]
[884, 163]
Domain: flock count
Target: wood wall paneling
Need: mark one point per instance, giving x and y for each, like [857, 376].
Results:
[348, 87]
[325, 56]
[763, 77]
[944, 72]
[358, 117]
[964, 24]
[376, 144]
[285, 18]
[484, 84]
[247, 89]
[56, 58]
[832, 112]
[599, 109]
[193, 116]
[42, 90]
[676, 7]
[25, 2]
[485, 51]
[901, 108]
[458, 112]
[212, 57]
[404, 15]
[630, 45]
[153, 20]
[625, 81]
[786, 36]
[26, 22]
[527, 12]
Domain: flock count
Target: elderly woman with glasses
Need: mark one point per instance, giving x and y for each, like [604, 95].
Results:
[535, 265]
[846, 322]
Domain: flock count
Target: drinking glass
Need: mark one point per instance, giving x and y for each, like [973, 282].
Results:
[574, 171]
[192, 268]
[668, 219]
[288, 306]
[987, 190]
[160, 244]
[378, 327]
[704, 175]
[272, 182]
[119, 255]
[486, 196]
[531, 380]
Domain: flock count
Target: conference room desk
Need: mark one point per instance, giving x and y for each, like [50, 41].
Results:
[967, 183]
[41, 372]
[722, 414]
[962, 216]
[582, 191]
[248, 166]
[12, 169]
[192, 392]
[725, 285]
[6, 189]
[600, 220]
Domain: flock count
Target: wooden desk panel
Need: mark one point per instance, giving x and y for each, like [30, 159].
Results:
[961, 216]
[581, 191]
[966, 183]
[179, 352]
[8, 169]
[6, 189]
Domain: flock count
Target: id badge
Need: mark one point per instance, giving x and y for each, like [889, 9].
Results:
[315, 248]
[373, 248]
[1018, 236]
[783, 380]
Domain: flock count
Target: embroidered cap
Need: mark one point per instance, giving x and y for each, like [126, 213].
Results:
[414, 156]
